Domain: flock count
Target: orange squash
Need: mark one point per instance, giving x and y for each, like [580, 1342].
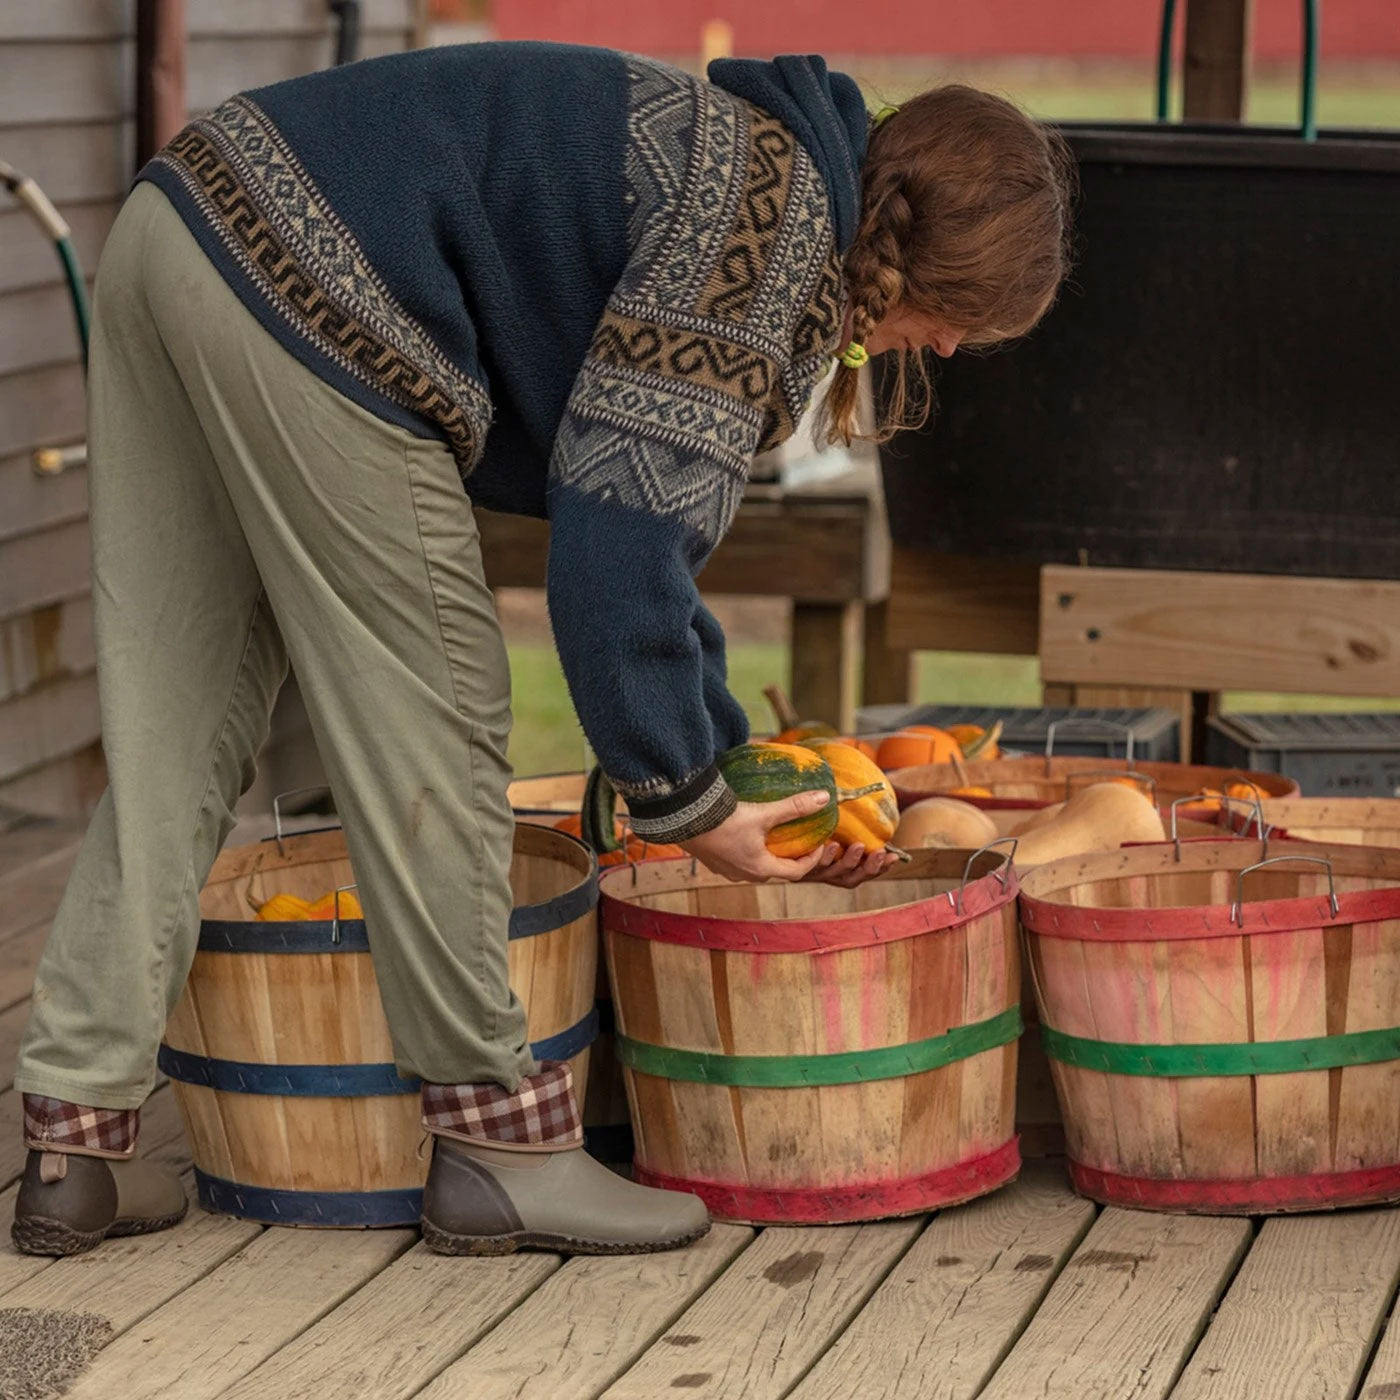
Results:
[767, 772]
[852, 741]
[970, 792]
[286, 908]
[919, 744]
[976, 742]
[867, 811]
[803, 731]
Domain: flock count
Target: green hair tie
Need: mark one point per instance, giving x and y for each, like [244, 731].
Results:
[884, 114]
[854, 355]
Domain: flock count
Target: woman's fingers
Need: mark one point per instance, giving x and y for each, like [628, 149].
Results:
[791, 809]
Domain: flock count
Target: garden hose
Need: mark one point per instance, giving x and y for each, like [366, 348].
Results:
[53, 223]
[1307, 97]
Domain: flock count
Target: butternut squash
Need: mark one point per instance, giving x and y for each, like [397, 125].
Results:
[1096, 818]
[1038, 818]
[944, 821]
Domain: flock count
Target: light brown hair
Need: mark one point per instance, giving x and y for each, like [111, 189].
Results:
[965, 216]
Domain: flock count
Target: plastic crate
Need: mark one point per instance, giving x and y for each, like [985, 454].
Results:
[1341, 755]
[1083, 731]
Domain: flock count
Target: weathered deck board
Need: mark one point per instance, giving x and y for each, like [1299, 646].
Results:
[1303, 1312]
[217, 1330]
[586, 1324]
[1123, 1316]
[398, 1331]
[954, 1306]
[1383, 1375]
[19, 957]
[764, 1322]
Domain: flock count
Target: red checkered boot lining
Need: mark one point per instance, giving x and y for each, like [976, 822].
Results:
[542, 1112]
[52, 1125]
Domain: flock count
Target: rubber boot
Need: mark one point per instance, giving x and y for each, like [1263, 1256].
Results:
[489, 1200]
[69, 1202]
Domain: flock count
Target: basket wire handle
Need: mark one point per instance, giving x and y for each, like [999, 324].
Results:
[1124, 729]
[277, 809]
[1237, 909]
[1003, 875]
[335, 920]
[1141, 779]
[1253, 804]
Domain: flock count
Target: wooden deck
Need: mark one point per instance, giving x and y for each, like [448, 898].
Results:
[1029, 1293]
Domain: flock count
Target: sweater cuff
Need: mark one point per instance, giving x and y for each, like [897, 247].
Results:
[698, 806]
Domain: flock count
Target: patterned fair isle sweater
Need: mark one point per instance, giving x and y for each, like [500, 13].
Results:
[602, 283]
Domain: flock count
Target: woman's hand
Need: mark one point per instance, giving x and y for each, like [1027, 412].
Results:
[737, 847]
[851, 867]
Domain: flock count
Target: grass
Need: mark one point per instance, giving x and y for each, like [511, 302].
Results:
[547, 737]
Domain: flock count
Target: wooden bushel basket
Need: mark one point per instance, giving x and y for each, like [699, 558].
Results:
[800, 1053]
[1023, 783]
[547, 797]
[1361, 821]
[1223, 1022]
[280, 1052]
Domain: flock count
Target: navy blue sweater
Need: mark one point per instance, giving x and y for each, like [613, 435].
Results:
[602, 283]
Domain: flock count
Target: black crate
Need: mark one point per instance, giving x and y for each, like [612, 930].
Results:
[1081, 732]
[1327, 755]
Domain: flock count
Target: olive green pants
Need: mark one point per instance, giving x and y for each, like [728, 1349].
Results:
[244, 512]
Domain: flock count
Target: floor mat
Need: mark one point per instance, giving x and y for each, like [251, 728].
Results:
[42, 1350]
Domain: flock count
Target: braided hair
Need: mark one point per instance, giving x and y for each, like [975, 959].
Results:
[965, 218]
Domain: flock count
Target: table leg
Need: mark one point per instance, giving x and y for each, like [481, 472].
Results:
[826, 641]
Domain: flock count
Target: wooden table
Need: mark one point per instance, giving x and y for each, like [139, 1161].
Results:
[826, 548]
[1152, 636]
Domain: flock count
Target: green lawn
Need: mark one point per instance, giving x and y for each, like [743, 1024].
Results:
[547, 737]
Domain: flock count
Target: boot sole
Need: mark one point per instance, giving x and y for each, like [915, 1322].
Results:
[443, 1242]
[37, 1234]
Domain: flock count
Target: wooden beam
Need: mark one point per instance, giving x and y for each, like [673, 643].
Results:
[950, 602]
[812, 551]
[1201, 631]
[826, 661]
[1216, 65]
[888, 675]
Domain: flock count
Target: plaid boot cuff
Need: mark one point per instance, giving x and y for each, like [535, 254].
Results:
[542, 1112]
[53, 1125]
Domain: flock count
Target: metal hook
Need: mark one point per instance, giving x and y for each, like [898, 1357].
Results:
[335, 920]
[1224, 801]
[1003, 875]
[277, 809]
[1237, 909]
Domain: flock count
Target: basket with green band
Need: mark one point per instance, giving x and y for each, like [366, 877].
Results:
[805, 1053]
[1222, 1020]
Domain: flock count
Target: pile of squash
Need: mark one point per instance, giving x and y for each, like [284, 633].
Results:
[1099, 817]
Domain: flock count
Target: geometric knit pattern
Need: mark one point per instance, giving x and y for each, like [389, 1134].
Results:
[725, 317]
[541, 1112]
[311, 270]
[53, 1124]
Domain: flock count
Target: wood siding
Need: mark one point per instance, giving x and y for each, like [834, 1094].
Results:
[67, 101]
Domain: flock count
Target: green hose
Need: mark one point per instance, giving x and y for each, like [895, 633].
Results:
[77, 289]
[1308, 96]
[56, 226]
[1307, 124]
[1164, 60]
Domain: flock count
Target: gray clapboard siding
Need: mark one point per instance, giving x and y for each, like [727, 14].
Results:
[43, 567]
[45, 645]
[41, 406]
[220, 67]
[68, 786]
[66, 19]
[37, 327]
[29, 501]
[76, 162]
[207, 17]
[65, 82]
[48, 722]
[27, 255]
